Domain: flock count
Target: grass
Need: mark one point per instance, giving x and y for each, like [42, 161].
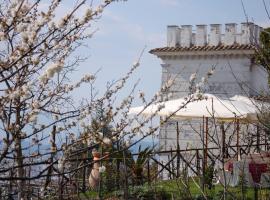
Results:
[175, 189]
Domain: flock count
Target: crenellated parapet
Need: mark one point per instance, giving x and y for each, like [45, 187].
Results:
[184, 36]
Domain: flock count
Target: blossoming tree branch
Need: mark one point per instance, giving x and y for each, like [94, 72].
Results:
[42, 127]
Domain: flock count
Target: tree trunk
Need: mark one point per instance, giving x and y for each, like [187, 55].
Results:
[20, 170]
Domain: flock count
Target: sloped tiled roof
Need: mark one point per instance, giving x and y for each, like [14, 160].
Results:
[204, 48]
[262, 98]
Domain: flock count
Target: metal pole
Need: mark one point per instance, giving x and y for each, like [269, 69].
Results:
[206, 142]
[237, 139]
[178, 150]
[197, 161]
[148, 172]
[223, 140]
[223, 156]
[258, 138]
[203, 163]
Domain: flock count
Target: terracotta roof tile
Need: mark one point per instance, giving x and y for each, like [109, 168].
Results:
[204, 48]
[261, 98]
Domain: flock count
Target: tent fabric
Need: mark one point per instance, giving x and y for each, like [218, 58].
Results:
[212, 106]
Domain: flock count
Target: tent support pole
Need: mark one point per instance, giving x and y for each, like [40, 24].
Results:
[223, 140]
[178, 150]
[206, 141]
[203, 158]
[258, 139]
[265, 141]
[237, 139]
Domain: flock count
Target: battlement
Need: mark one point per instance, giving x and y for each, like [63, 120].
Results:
[184, 36]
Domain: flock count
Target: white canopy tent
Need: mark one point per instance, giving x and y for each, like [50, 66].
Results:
[239, 107]
[224, 109]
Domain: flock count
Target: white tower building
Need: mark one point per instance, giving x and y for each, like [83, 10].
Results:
[229, 52]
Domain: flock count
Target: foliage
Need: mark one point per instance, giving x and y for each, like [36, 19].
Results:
[148, 193]
[243, 185]
[263, 54]
[137, 165]
[208, 176]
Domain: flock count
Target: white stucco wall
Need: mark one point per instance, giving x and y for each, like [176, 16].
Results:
[259, 80]
[230, 75]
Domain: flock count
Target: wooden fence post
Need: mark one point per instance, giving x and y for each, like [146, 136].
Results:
[203, 158]
[178, 151]
[237, 139]
[223, 138]
[169, 166]
[258, 139]
[173, 166]
[197, 161]
[148, 173]
[206, 142]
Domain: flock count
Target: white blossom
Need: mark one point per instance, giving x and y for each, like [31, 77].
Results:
[21, 27]
[15, 94]
[51, 25]
[114, 138]
[161, 106]
[102, 169]
[60, 165]
[107, 141]
[211, 72]
[55, 117]
[100, 9]
[204, 80]
[23, 135]
[35, 140]
[35, 105]
[56, 110]
[2, 36]
[54, 68]
[199, 85]
[24, 36]
[89, 141]
[141, 94]
[62, 22]
[136, 64]
[83, 124]
[35, 61]
[100, 134]
[192, 77]
[33, 118]
[43, 78]
[59, 129]
[127, 143]
[26, 89]
[198, 94]
[88, 77]
[88, 14]
[169, 82]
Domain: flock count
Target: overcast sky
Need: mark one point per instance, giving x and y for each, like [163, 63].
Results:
[125, 28]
